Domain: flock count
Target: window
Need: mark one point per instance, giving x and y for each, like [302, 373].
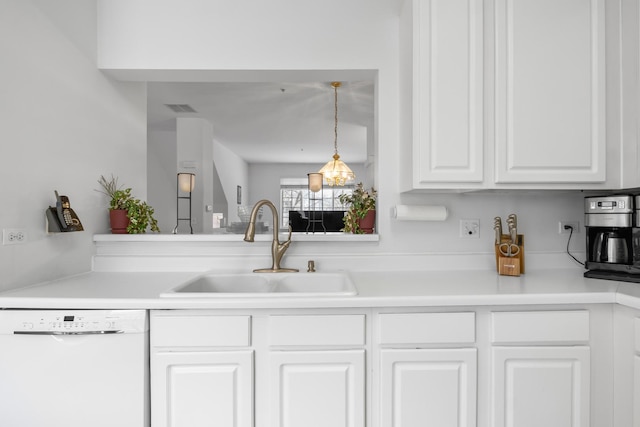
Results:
[294, 196]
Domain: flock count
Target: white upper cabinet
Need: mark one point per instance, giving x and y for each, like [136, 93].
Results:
[499, 94]
[549, 94]
[443, 45]
[447, 91]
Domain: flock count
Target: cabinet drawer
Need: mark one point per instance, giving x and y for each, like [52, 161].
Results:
[315, 330]
[427, 328]
[540, 326]
[200, 331]
[637, 327]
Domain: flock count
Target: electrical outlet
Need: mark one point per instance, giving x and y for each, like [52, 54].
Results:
[13, 236]
[573, 224]
[470, 228]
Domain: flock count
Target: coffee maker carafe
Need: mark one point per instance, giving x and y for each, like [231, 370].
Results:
[610, 246]
[609, 224]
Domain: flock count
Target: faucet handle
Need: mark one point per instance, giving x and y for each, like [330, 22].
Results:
[311, 266]
[289, 237]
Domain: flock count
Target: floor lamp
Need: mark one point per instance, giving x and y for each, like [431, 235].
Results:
[315, 187]
[185, 184]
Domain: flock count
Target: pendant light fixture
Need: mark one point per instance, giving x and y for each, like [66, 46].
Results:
[336, 172]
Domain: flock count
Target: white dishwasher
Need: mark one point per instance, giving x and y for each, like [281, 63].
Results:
[73, 368]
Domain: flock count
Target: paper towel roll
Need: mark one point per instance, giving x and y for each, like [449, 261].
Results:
[420, 213]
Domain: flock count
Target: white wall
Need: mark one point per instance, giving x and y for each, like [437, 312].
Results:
[162, 157]
[330, 35]
[195, 154]
[63, 125]
[232, 171]
[239, 35]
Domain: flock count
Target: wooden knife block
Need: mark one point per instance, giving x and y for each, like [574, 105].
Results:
[510, 266]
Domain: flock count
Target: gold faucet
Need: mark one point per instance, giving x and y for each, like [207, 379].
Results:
[277, 249]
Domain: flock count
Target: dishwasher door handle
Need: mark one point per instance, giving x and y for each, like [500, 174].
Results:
[67, 332]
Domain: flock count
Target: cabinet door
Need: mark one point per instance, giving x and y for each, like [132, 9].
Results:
[550, 98]
[198, 389]
[428, 388]
[447, 91]
[540, 386]
[317, 388]
[636, 392]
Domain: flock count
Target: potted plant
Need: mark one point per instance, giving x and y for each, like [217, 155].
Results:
[361, 214]
[126, 213]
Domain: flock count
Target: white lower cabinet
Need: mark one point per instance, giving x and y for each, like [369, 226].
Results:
[541, 386]
[317, 370]
[260, 368]
[636, 373]
[636, 392]
[317, 388]
[198, 389]
[423, 380]
[370, 367]
[421, 387]
[537, 379]
[626, 367]
[201, 369]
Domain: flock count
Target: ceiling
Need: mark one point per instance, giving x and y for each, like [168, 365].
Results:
[272, 122]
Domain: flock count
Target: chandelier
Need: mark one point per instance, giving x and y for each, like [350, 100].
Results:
[336, 172]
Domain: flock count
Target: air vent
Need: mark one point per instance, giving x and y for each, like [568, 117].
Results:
[181, 108]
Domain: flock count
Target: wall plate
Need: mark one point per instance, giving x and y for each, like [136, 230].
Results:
[469, 228]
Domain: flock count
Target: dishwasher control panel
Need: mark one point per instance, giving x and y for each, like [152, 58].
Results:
[68, 322]
[73, 321]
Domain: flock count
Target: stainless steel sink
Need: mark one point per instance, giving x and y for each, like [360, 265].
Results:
[265, 285]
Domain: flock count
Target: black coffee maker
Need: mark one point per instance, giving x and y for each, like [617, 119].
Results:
[610, 229]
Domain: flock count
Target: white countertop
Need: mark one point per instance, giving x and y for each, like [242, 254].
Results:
[120, 290]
